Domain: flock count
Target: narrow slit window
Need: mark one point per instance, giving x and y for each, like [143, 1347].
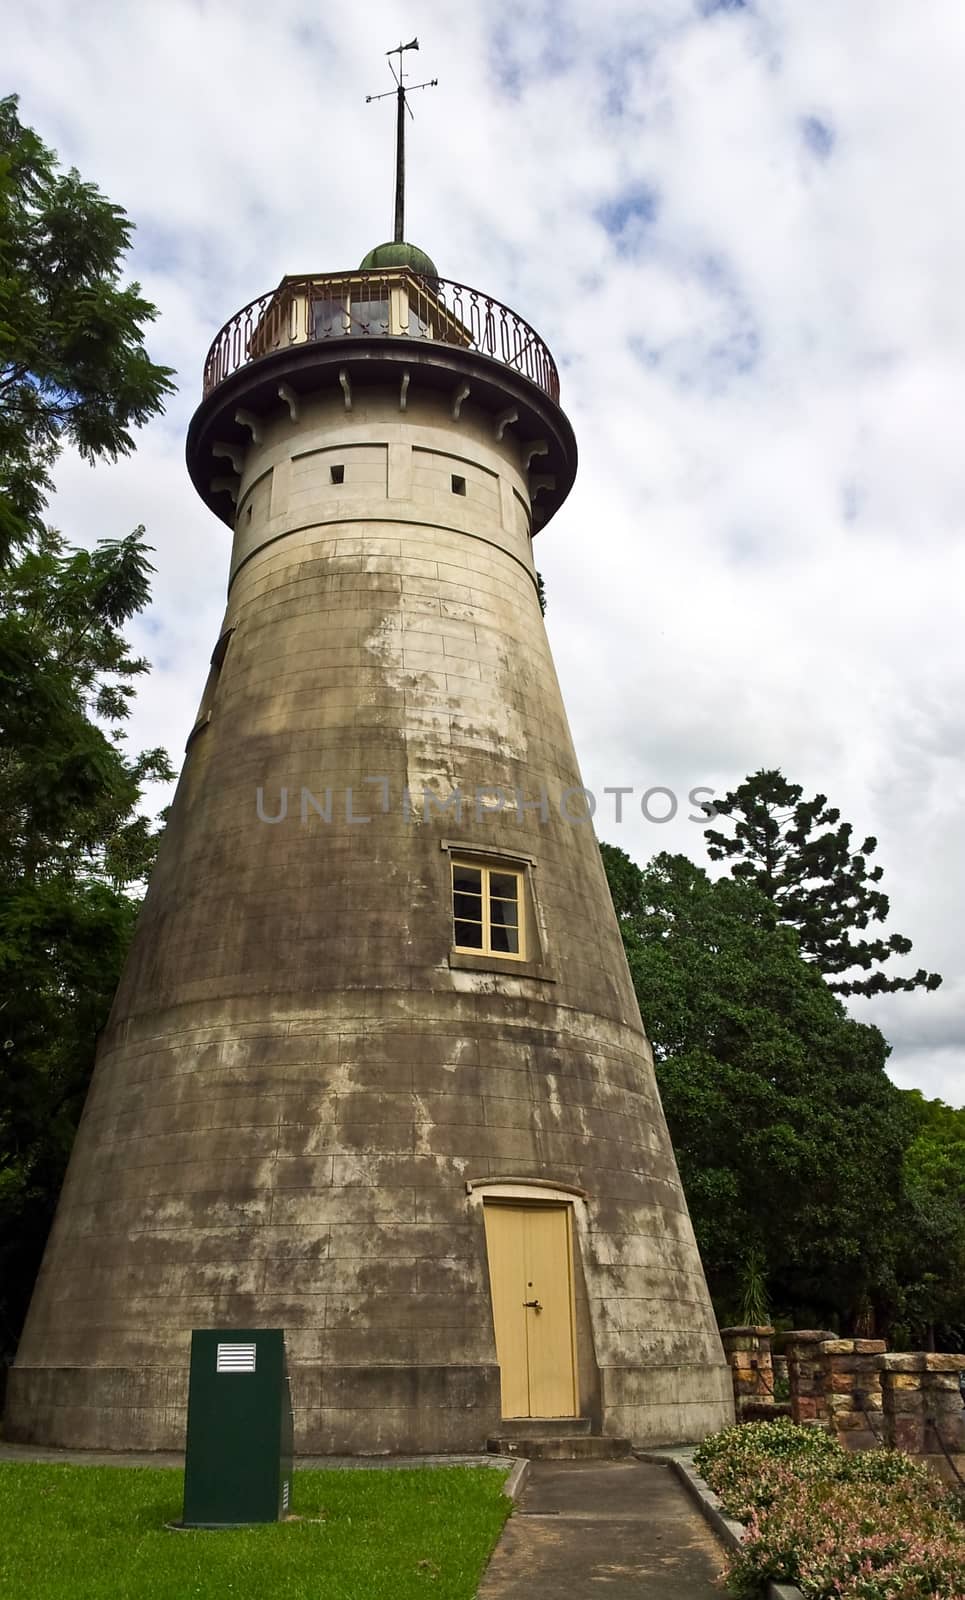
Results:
[487, 907]
[338, 474]
[458, 484]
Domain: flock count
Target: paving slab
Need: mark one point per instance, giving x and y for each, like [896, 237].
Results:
[623, 1529]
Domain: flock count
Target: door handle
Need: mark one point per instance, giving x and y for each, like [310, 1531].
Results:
[534, 1303]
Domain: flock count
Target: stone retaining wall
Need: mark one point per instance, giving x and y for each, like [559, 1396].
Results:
[850, 1374]
[805, 1374]
[923, 1405]
[868, 1397]
[748, 1352]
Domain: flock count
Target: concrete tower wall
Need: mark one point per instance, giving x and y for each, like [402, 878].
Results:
[301, 1081]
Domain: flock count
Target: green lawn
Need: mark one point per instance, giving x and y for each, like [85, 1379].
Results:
[97, 1533]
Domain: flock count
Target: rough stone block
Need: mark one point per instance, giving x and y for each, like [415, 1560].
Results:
[805, 1409]
[950, 1426]
[852, 1347]
[858, 1367]
[868, 1401]
[910, 1401]
[923, 1361]
[907, 1433]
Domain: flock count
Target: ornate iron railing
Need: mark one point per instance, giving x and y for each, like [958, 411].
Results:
[379, 304]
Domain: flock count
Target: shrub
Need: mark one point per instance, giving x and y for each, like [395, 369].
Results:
[888, 1466]
[871, 1526]
[780, 1440]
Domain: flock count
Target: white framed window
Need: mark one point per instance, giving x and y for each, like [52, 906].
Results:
[488, 909]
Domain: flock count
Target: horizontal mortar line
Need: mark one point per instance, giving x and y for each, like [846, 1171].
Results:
[640, 1149]
[367, 1022]
[172, 1046]
[300, 1064]
[390, 522]
[179, 1227]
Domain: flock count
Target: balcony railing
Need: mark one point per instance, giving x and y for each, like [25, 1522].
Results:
[392, 304]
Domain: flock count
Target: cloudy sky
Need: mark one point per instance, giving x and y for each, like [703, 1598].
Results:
[741, 229]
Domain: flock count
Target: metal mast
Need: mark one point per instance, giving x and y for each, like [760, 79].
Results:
[400, 93]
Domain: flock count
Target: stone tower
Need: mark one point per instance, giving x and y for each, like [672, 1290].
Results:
[375, 1072]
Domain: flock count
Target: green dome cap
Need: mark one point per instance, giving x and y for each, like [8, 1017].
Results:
[399, 254]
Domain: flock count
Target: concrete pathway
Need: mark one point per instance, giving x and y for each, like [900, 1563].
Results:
[622, 1530]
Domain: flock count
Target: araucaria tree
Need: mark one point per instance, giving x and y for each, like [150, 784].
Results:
[74, 847]
[799, 854]
[788, 1132]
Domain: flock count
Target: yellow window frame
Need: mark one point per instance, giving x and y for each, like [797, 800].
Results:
[501, 869]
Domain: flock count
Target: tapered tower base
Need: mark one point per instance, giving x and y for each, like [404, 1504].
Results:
[375, 1073]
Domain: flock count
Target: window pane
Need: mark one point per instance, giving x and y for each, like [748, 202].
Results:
[505, 940]
[467, 879]
[418, 329]
[329, 317]
[505, 885]
[469, 935]
[369, 316]
[504, 913]
[467, 905]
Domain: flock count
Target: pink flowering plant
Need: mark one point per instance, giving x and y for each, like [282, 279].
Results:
[869, 1526]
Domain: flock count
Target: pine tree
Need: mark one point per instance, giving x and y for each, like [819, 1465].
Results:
[800, 855]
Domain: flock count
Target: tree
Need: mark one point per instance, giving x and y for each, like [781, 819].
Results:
[73, 367]
[789, 1134]
[74, 847]
[799, 854]
[930, 1297]
[74, 851]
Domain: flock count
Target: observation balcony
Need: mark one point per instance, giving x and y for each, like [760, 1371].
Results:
[398, 305]
[386, 326]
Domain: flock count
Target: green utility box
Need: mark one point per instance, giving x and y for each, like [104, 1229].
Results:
[238, 1458]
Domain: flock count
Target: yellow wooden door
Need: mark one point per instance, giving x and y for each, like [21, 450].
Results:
[530, 1272]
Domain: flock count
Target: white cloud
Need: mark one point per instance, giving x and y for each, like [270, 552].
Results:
[762, 561]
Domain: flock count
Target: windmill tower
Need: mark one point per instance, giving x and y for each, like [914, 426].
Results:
[375, 1072]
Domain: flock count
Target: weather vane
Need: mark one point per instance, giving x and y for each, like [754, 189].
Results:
[401, 92]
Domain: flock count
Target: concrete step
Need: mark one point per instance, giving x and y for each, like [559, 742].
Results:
[542, 1427]
[569, 1447]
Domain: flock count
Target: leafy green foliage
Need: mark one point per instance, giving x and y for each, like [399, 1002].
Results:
[96, 1533]
[67, 792]
[789, 1134]
[799, 854]
[73, 367]
[742, 1449]
[754, 1311]
[930, 1289]
[74, 847]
